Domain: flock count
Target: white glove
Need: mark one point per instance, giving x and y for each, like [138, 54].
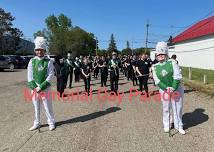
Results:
[170, 89]
[38, 89]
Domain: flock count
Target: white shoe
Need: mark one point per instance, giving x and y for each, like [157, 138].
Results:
[34, 127]
[52, 127]
[181, 131]
[166, 130]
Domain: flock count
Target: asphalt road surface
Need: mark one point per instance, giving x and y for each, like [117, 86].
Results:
[101, 123]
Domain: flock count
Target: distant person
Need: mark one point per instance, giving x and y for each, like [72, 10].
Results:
[155, 60]
[77, 70]
[61, 71]
[70, 65]
[103, 70]
[86, 73]
[174, 57]
[95, 68]
[113, 65]
[143, 69]
[129, 68]
[134, 72]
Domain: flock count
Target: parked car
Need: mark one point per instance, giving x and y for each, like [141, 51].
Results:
[27, 59]
[18, 61]
[6, 63]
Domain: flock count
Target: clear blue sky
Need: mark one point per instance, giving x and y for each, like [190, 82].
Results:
[126, 19]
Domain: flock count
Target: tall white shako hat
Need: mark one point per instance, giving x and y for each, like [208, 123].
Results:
[40, 43]
[161, 48]
[114, 53]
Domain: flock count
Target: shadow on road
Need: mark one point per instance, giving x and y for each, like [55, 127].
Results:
[8, 71]
[189, 90]
[87, 117]
[194, 118]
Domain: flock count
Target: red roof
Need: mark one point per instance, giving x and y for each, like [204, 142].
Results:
[202, 28]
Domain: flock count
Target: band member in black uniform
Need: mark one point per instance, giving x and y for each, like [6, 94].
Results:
[128, 68]
[70, 66]
[134, 72]
[103, 70]
[61, 74]
[143, 70]
[124, 66]
[114, 72]
[155, 61]
[77, 71]
[174, 57]
[96, 68]
[86, 73]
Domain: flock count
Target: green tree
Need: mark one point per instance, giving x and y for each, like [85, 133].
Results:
[139, 51]
[81, 42]
[63, 37]
[9, 35]
[127, 50]
[43, 33]
[58, 31]
[101, 52]
[112, 45]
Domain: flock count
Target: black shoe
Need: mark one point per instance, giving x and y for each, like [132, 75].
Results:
[142, 93]
[147, 95]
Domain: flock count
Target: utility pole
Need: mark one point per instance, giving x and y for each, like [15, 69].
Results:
[147, 34]
[96, 46]
[132, 48]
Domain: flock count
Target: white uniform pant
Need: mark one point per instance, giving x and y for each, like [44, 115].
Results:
[47, 103]
[175, 104]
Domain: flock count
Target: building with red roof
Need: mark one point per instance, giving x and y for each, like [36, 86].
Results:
[202, 28]
[194, 47]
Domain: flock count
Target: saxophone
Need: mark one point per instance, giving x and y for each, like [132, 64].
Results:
[114, 66]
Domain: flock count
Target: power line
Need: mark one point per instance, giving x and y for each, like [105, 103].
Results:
[167, 27]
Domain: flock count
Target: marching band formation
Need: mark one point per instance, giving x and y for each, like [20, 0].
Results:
[164, 71]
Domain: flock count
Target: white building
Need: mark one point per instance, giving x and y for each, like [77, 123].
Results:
[195, 46]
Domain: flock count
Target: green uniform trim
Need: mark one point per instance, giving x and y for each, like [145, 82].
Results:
[32, 85]
[44, 85]
[164, 73]
[162, 85]
[117, 62]
[40, 68]
[175, 84]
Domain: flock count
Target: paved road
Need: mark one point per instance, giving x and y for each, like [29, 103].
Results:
[101, 126]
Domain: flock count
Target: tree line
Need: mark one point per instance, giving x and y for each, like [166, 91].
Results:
[62, 37]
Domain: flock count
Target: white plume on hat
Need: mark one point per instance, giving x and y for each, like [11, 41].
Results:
[40, 43]
[161, 48]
